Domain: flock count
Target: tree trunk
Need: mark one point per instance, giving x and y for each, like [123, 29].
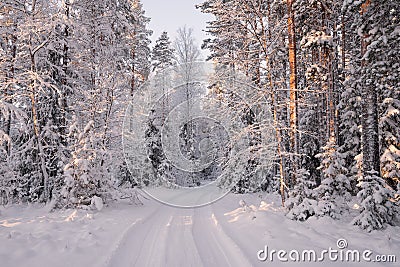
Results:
[278, 135]
[133, 82]
[329, 84]
[370, 137]
[36, 126]
[292, 89]
[7, 126]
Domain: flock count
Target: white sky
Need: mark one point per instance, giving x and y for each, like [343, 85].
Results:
[169, 15]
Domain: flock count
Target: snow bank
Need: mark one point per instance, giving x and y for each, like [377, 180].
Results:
[228, 233]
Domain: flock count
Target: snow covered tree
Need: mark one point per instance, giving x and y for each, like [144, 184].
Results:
[137, 31]
[186, 50]
[376, 209]
[390, 158]
[350, 128]
[319, 89]
[350, 101]
[81, 181]
[31, 45]
[367, 29]
[302, 203]
[66, 63]
[247, 38]
[163, 53]
[385, 55]
[375, 78]
[107, 70]
[162, 58]
[155, 152]
[333, 192]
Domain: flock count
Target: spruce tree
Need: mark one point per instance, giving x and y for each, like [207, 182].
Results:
[162, 53]
[376, 209]
[302, 201]
[334, 191]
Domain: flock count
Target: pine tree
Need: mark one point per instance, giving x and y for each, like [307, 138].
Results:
[162, 54]
[138, 34]
[350, 126]
[81, 183]
[376, 209]
[390, 158]
[155, 152]
[227, 44]
[302, 202]
[350, 102]
[387, 56]
[318, 86]
[334, 191]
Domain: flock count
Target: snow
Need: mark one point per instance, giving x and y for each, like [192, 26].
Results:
[97, 203]
[230, 232]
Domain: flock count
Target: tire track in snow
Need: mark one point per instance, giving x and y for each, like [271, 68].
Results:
[215, 247]
[181, 249]
[247, 246]
[150, 250]
[127, 250]
[177, 237]
[121, 241]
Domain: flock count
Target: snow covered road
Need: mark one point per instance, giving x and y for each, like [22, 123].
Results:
[177, 237]
[221, 234]
[172, 236]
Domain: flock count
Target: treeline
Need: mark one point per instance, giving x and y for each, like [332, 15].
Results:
[67, 70]
[330, 72]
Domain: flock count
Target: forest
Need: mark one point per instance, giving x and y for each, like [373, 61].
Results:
[326, 72]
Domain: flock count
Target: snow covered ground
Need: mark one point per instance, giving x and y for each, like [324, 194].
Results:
[230, 232]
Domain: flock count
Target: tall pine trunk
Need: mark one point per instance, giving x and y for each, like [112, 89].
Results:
[370, 148]
[35, 118]
[292, 89]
